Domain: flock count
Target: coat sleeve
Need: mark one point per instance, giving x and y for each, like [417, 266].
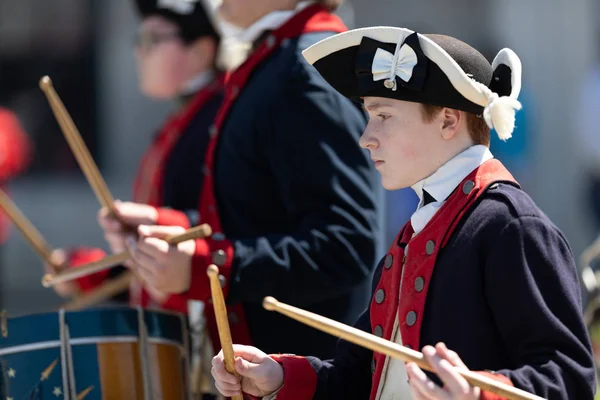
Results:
[347, 376]
[329, 189]
[533, 291]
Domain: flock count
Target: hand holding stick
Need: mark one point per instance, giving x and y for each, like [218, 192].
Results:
[388, 348]
[198, 232]
[222, 322]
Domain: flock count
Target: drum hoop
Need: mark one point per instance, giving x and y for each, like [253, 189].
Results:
[24, 348]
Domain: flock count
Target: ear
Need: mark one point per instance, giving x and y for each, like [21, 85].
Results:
[202, 52]
[451, 120]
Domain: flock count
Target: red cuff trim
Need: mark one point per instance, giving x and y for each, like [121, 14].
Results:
[81, 256]
[299, 378]
[485, 395]
[169, 217]
[177, 302]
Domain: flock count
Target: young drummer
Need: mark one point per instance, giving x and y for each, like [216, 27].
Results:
[176, 51]
[291, 199]
[478, 269]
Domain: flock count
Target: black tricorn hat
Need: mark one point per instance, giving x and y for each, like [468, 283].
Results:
[400, 64]
[190, 16]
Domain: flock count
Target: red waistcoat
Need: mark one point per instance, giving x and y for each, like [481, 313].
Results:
[402, 289]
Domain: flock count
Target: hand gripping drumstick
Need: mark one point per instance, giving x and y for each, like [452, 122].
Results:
[198, 232]
[77, 145]
[388, 348]
[222, 323]
[31, 234]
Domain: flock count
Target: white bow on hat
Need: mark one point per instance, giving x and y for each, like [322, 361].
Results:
[387, 65]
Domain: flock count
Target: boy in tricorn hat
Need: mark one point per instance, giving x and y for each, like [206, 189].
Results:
[478, 269]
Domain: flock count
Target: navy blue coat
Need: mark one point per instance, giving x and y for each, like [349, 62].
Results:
[504, 295]
[297, 197]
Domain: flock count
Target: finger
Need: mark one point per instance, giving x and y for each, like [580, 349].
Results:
[154, 247]
[149, 279]
[249, 369]
[217, 359]
[249, 353]
[159, 231]
[220, 373]
[422, 385]
[108, 222]
[449, 355]
[147, 263]
[225, 392]
[453, 381]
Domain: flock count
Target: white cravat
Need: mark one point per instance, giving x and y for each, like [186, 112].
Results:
[442, 183]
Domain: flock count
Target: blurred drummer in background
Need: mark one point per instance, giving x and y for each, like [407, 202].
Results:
[176, 50]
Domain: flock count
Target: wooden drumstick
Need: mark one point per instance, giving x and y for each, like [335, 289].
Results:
[31, 234]
[388, 348]
[222, 322]
[77, 145]
[106, 291]
[197, 232]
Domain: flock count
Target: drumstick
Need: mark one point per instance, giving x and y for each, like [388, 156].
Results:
[389, 349]
[31, 234]
[198, 232]
[77, 145]
[105, 291]
[222, 322]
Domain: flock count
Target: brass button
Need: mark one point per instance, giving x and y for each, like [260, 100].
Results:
[468, 186]
[222, 281]
[219, 258]
[233, 318]
[389, 260]
[411, 318]
[373, 366]
[270, 41]
[212, 131]
[430, 247]
[379, 296]
[378, 331]
[419, 284]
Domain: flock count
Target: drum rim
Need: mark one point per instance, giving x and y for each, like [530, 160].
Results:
[49, 344]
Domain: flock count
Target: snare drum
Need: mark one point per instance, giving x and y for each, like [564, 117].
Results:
[112, 353]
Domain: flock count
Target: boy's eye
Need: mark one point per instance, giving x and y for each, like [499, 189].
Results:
[382, 117]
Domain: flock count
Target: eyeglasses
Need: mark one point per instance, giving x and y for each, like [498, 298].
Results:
[147, 40]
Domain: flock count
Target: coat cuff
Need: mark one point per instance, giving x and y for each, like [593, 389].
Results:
[299, 378]
[485, 395]
[170, 217]
[80, 256]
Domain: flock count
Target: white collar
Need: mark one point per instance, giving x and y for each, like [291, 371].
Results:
[197, 83]
[268, 22]
[442, 182]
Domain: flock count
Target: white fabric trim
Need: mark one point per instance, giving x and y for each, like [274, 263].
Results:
[271, 21]
[500, 111]
[442, 183]
[197, 83]
[508, 57]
